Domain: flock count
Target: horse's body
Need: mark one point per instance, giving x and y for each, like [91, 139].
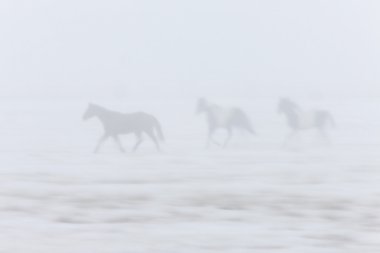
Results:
[298, 119]
[223, 118]
[116, 123]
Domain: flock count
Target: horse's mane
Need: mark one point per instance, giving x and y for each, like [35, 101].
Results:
[288, 103]
[98, 107]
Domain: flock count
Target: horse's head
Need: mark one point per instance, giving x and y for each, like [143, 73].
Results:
[286, 105]
[90, 112]
[201, 105]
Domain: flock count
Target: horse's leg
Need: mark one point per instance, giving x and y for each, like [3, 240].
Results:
[100, 142]
[324, 136]
[118, 142]
[211, 131]
[209, 137]
[154, 139]
[229, 134]
[289, 138]
[138, 142]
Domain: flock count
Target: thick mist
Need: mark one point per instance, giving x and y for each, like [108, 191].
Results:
[240, 48]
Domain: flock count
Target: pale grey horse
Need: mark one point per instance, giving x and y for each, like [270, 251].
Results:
[298, 119]
[116, 123]
[223, 118]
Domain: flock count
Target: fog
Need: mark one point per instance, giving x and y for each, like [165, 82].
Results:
[189, 126]
[250, 48]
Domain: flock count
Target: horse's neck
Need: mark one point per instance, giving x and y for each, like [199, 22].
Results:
[104, 115]
[218, 115]
[292, 116]
[212, 110]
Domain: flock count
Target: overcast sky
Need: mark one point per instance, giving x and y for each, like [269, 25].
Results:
[243, 47]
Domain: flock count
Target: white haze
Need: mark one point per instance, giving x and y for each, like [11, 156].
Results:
[250, 48]
[160, 56]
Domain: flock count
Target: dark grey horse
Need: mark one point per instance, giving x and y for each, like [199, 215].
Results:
[298, 119]
[116, 123]
[224, 118]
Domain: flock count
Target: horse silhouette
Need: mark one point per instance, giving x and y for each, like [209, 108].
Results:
[116, 123]
[298, 119]
[223, 118]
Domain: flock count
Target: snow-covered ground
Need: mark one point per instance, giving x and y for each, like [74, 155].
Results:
[56, 196]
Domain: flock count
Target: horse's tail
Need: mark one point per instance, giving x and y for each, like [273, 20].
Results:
[158, 129]
[242, 120]
[328, 118]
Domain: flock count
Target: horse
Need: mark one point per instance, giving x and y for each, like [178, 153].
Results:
[224, 118]
[116, 123]
[298, 119]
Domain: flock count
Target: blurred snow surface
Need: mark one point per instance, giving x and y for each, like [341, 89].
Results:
[254, 196]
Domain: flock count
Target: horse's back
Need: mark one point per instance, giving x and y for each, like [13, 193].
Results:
[306, 119]
[142, 119]
[138, 115]
[240, 119]
[123, 123]
[323, 117]
[220, 115]
[227, 117]
[313, 118]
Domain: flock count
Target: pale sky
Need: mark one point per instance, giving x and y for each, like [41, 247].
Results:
[239, 47]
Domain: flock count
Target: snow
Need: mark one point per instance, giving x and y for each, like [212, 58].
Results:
[255, 196]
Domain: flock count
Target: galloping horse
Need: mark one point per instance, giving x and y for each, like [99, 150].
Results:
[116, 123]
[298, 119]
[225, 118]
